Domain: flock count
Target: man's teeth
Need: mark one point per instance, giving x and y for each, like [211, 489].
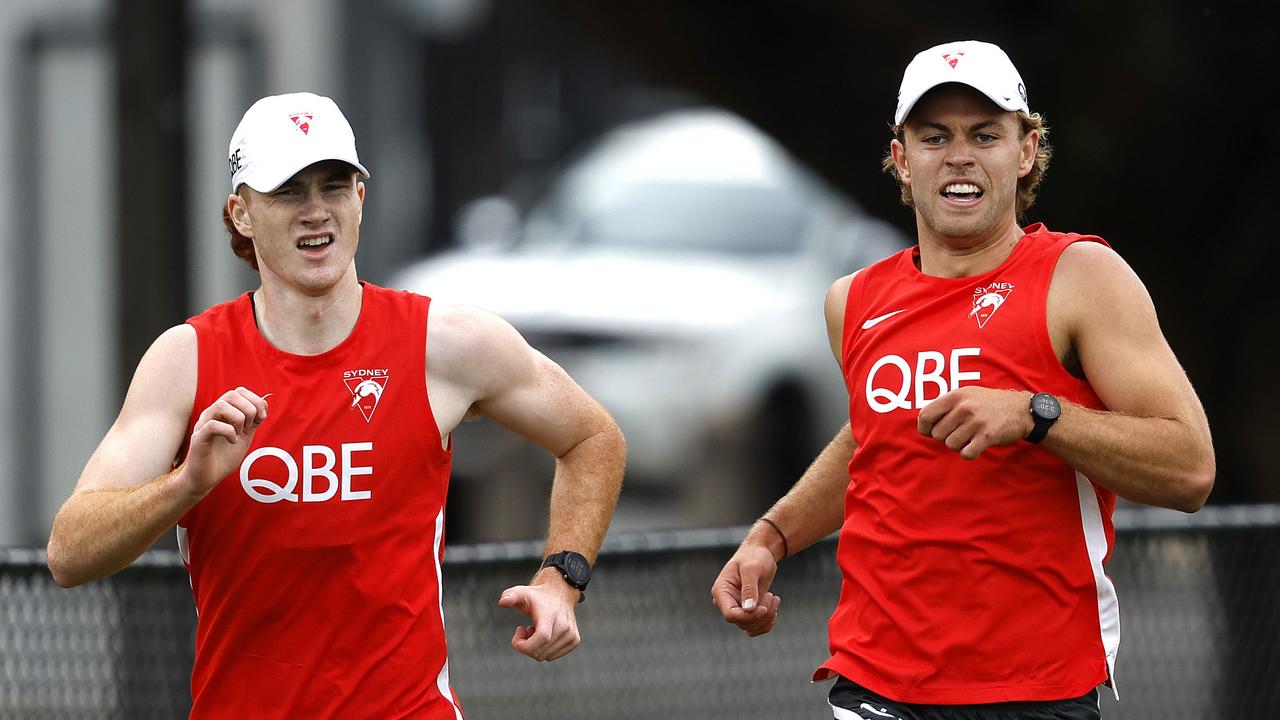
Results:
[961, 189]
[314, 242]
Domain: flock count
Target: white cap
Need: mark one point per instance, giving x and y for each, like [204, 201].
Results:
[282, 134]
[982, 66]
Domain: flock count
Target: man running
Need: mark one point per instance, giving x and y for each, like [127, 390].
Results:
[299, 437]
[1006, 384]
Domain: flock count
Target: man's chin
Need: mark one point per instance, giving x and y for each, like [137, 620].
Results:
[960, 226]
[316, 280]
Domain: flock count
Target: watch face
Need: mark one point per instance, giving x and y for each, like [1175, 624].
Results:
[577, 568]
[1046, 406]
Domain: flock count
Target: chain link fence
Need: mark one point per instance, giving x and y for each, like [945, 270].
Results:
[1199, 595]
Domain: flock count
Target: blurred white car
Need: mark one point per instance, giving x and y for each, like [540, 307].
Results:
[677, 271]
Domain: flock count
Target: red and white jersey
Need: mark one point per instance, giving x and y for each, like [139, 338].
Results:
[316, 564]
[966, 581]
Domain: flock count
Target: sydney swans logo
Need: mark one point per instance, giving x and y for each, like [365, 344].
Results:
[987, 300]
[366, 388]
[302, 121]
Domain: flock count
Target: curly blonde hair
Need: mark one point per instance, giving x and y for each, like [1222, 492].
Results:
[1027, 185]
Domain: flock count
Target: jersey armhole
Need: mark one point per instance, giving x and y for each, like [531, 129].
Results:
[1052, 362]
[856, 282]
[423, 333]
[199, 401]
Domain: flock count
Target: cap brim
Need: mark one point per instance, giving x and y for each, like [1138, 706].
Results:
[1010, 104]
[269, 179]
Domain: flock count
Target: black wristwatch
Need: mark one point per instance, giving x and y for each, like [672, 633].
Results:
[574, 567]
[1044, 412]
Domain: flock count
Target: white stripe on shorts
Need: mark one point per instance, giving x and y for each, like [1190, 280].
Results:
[872, 713]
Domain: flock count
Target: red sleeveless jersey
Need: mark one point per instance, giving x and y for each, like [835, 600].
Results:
[966, 581]
[315, 566]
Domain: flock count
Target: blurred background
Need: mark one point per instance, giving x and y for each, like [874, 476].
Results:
[657, 194]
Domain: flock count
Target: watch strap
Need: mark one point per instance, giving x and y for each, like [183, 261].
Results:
[561, 560]
[1040, 430]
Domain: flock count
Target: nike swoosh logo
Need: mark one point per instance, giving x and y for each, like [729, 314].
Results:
[877, 320]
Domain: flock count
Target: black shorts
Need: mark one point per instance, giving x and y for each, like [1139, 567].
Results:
[850, 701]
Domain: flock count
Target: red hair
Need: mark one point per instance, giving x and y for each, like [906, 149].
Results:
[240, 245]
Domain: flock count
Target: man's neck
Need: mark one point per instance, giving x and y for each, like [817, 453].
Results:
[303, 324]
[957, 257]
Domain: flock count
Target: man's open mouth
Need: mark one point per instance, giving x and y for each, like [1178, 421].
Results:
[961, 191]
[312, 243]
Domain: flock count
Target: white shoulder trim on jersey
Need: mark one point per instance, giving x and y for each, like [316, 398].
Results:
[442, 680]
[1095, 537]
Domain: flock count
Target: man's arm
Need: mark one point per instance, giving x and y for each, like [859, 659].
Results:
[484, 362]
[130, 493]
[812, 509]
[1153, 444]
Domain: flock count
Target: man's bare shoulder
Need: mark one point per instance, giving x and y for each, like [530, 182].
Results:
[470, 344]
[833, 307]
[1087, 258]
[176, 342]
[838, 293]
[467, 329]
[144, 440]
[166, 375]
[446, 317]
[1090, 275]
[838, 297]
[1099, 310]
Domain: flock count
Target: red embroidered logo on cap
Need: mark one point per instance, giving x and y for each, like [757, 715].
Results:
[303, 121]
[952, 60]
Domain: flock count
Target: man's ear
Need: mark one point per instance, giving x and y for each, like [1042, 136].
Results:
[1030, 145]
[899, 153]
[238, 211]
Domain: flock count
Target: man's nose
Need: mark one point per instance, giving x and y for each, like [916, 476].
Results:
[960, 154]
[314, 208]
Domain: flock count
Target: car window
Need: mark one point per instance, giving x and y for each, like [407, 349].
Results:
[731, 219]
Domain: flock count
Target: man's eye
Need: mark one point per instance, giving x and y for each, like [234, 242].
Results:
[934, 139]
[985, 138]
